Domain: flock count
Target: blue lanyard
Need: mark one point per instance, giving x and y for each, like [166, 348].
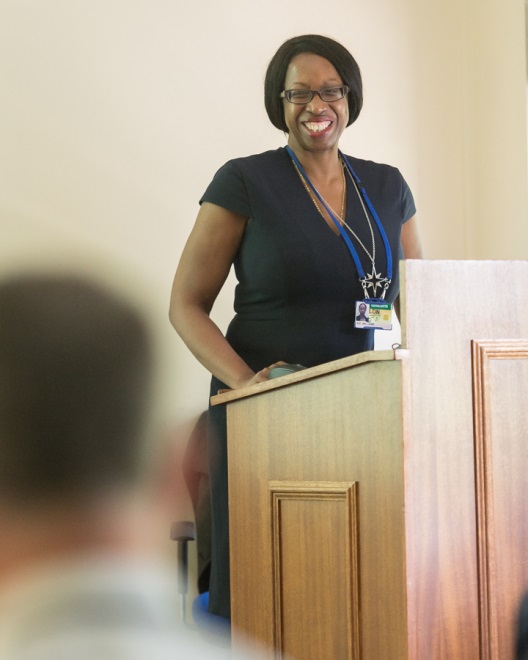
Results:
[346, 237]
[388, 251]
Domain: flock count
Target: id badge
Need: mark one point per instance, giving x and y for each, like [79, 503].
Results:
[373, 314]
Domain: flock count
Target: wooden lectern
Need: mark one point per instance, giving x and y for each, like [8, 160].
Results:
[379, 503]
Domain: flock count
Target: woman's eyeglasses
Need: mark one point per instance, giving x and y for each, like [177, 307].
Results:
[326, 94]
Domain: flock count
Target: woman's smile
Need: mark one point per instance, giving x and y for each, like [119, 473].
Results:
[317, 126]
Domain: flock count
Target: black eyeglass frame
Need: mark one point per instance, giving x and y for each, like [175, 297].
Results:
[286, 94]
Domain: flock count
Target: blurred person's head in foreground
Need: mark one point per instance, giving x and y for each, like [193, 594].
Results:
[76, 376]
[86, 489]
[82, 500]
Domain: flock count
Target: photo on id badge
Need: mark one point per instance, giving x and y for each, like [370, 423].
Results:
[362, 314]
[373, 314]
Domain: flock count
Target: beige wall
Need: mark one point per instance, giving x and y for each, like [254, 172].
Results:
[471, 126]
[114, 115]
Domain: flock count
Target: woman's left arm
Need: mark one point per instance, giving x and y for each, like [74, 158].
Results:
[410, 238]
[412, 248]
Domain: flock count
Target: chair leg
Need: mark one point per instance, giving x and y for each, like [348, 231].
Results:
[182, 532]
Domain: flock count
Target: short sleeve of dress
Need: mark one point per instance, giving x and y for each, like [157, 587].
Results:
[228, 189]
[407, 202]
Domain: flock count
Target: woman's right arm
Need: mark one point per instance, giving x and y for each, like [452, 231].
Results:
[203, 268]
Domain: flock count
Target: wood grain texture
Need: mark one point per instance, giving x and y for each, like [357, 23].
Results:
[447, 305]
[433, 437]
[500, 372]
[308, 374]
[315, 532]
[332, 429]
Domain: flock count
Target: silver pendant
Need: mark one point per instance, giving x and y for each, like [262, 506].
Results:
[374, 281]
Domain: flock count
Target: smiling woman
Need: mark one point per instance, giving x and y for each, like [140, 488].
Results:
[310, 232]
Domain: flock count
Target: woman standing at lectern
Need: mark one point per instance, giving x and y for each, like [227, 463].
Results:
[311, 232]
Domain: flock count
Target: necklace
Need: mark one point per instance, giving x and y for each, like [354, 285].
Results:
[314, 199]
[342, 218]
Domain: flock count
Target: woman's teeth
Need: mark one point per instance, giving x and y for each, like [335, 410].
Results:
[317, 126]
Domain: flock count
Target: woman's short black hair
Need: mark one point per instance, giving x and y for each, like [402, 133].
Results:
[343, 62]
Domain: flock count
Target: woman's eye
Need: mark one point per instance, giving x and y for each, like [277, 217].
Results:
[299, 94]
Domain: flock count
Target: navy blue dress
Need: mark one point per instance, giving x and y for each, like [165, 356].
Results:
[297, 288]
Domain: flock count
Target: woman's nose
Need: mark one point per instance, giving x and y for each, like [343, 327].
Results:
[316, 105]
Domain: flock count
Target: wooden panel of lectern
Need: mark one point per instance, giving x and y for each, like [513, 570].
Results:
[379, 503]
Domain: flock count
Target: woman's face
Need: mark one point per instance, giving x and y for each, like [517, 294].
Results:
[317, 125]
